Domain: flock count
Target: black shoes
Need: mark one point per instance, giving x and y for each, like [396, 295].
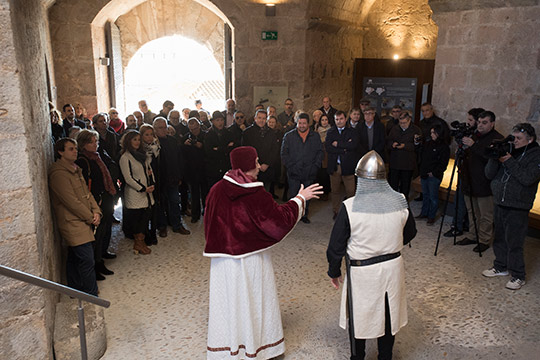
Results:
[99, 277]
[102, 269]
[453, 232]
[305, 220]
[108, 255]
[480, 248]
[182, 230]
[420, 217]
[194, 220]
[466, 241]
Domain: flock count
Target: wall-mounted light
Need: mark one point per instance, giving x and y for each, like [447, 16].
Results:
[105, 61]
[396, 57]
[270, 9]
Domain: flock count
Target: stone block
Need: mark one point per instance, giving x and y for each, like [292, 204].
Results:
[449, 55]
[512, 80]
[16, 214]
[501, 16]
[13, 164]
[66, 330]
[520, 34]
[484, 79]
[25, 337]
[19, 299]
[20, 253]
[489, 34]
[459, 35]
[477, 55]
[529, 14]
[455, 76]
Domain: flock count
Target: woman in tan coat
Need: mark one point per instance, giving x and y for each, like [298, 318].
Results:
[76, 213]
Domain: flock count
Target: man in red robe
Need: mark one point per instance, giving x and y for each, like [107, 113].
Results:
[242, 221]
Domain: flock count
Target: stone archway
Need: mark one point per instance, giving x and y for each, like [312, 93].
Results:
[79, 40]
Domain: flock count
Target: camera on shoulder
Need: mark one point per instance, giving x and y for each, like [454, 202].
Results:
[500, 147]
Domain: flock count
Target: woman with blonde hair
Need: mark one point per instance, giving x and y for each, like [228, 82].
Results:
[139, 184]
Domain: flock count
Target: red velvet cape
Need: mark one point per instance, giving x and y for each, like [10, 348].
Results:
[241, 218]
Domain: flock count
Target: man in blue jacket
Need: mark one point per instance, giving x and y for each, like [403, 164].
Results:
[302, 154]
[341, 146]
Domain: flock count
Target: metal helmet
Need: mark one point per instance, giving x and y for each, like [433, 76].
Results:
[371, 166]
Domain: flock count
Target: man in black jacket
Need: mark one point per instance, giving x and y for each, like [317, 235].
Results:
[70, 119]
[217, 147]
[265, 141]
[328, 109]
[401, 145]
[238, 128]
[170, 169]
[514, 183]
[475, 183]
[430, 120]
[341, 146]
[302, 154]
[193, 151]
[371, 135]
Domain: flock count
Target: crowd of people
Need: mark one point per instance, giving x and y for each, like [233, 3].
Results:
[162, 167]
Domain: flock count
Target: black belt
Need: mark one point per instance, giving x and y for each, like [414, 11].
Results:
[375, 259]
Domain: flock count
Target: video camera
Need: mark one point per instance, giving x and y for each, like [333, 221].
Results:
[500, 147]
[461, 130]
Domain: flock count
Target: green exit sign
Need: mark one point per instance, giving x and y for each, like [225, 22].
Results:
[269, 35]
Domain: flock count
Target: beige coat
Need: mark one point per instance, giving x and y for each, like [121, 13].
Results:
[74, 206]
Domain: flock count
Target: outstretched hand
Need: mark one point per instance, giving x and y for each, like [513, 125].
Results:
[311, 191]
[336, 281]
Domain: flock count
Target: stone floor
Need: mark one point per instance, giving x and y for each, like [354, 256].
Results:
[160, 301]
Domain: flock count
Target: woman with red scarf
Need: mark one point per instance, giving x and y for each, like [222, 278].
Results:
[115, 122]
[100, 184]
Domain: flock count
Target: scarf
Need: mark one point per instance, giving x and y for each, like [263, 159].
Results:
[139, 156]
[107, 180]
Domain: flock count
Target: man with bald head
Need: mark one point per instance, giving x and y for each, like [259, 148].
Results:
[327, 109]
[148, 115]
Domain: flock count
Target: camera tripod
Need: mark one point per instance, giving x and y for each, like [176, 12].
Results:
[458, 164]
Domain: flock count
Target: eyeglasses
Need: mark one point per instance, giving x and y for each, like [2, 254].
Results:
[288, 104]
[114, 113]
[239, 117]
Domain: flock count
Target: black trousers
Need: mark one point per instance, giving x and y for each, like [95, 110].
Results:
[199, 190]
[385, 343]
[104, 229]
[80, 268]
[511, 227]
[400, 180]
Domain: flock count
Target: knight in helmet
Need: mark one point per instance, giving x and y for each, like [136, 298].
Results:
[370, 231]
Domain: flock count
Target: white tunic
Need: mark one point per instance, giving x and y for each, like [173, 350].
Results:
[244, 319]
[373, 235]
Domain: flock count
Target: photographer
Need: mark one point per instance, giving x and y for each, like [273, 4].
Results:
[475, 183]
[460, 223]
[515, 181]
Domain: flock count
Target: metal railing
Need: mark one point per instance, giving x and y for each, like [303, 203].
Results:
[51, 285]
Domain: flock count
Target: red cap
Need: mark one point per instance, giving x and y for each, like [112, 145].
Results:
[244, 158]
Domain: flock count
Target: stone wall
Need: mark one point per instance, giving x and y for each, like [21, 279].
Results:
[158, 18]
[330, 54]
[400, 27]
[488, 56]
[26, 231]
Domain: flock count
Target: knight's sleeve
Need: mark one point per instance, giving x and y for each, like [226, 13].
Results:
[337, 247]
[409, 230]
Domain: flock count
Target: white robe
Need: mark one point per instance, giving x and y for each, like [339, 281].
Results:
[371, 283]
[244, 319]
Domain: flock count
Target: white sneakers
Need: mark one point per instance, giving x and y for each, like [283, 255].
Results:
[513, 284]
[494, 272]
